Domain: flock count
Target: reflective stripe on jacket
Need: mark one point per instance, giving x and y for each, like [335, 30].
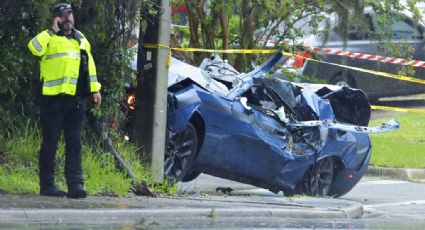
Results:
[60, 62]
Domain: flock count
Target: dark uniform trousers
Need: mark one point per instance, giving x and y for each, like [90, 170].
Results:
[57, 113]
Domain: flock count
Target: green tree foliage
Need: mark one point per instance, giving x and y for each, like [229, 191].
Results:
[109, 24]
[106, 23]
[19, 21]
[257, 21]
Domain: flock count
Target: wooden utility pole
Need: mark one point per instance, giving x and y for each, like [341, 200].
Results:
[152, 78]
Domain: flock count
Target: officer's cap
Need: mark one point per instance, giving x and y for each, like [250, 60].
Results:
[61, 8]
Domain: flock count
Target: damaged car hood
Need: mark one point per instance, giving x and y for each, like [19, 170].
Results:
[329, 113]
[180, 71]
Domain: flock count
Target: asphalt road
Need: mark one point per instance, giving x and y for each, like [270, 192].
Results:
[391, 199]
[388, 204]
[381, 198]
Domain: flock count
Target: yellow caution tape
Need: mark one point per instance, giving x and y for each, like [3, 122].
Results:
[230, 51]
[155, 46]
[169, 59]
[379, 73]
[396, 109]
[261, 51]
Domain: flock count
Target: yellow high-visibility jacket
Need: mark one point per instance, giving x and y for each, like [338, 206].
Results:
[60, 62]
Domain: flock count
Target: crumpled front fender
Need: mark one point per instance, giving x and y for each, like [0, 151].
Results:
[181, 106]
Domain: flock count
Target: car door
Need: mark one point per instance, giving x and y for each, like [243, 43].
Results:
[402, 38]
[407, 38]
[359, 40]
[405, 35]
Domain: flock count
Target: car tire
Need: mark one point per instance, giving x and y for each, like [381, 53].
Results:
[320, 185]
[344, 81]
[180, 153]
[191, 175]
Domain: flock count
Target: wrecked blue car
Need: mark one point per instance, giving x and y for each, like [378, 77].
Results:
[271, 133]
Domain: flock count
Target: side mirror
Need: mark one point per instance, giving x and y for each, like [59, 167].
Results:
[244, 101]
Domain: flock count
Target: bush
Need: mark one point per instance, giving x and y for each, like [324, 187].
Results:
[19, 165]
[107, 24]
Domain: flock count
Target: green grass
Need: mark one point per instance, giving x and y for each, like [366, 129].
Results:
[19, 165]
[18, 180]
[404, 148]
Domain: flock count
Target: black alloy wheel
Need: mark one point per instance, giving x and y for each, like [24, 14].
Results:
[180, 154]
[318, 179]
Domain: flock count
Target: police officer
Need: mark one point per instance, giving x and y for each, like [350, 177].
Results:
[67, 74]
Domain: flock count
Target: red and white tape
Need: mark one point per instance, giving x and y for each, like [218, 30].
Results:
[370, 57]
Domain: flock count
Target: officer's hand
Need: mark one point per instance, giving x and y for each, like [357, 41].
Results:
[55, 26]
[97, 98]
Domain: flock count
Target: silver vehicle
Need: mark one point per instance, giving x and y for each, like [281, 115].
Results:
[406, 37]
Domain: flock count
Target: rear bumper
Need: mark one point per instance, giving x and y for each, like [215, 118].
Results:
[347, 178]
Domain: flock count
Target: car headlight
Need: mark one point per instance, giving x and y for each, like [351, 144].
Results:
[131, 101]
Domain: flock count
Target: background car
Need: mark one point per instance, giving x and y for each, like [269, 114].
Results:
[264, 131]
[406, 37]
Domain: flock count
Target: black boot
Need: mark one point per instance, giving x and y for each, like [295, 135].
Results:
[51, 190]
[76, 191]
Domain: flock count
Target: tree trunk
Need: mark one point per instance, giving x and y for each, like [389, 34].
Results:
[224, 23]
[191, 7]
[247, 27]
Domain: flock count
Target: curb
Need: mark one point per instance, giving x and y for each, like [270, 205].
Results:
[396, 173]
[66, 215]
[16, 209]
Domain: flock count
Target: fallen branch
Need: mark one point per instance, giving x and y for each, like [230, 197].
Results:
[101, 130]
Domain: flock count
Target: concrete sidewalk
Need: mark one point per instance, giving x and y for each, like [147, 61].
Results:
[198, 199]
[36, 208]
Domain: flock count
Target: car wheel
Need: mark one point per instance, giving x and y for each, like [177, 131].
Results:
[318, 179]
[343, 81]
[180, 154]
[191, 175]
